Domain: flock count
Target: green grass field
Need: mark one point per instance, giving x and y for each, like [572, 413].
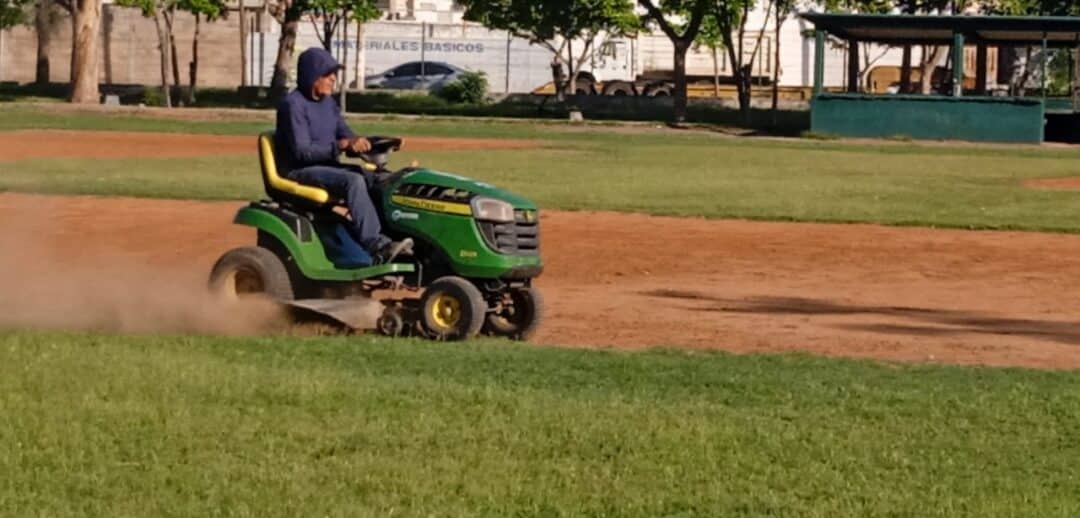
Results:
[660, 172]
[116, 426]
[97, 424]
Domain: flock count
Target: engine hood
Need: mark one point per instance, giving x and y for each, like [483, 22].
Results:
[462, 188]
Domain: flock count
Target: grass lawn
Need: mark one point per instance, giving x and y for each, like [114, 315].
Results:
[157, 425]
[660, 172]
[106, 425]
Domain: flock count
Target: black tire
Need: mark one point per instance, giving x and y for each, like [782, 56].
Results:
[519, 321]
[452, 309]
[620, 89]
[657, 90]
[250, 270]
[585, 87]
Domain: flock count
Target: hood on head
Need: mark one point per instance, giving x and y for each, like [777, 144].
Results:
[313, 64]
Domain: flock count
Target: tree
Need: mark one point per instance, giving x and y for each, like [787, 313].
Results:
[339, 13]
[211, 10]
[726, 21]
[44, 17]
[556, 25]
[783, 9]
[243, 42]
[84, 58]
[682, 28]
[12, 12]
[288, 14]
[334, 13]
[164, 14]
[1019, 70]
[160, 11]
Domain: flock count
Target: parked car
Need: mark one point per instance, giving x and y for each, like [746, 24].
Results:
[415, 75]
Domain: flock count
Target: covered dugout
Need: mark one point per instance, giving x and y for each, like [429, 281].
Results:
[972, 115]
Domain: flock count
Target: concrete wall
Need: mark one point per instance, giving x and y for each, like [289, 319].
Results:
[990, 119]
[129, 49]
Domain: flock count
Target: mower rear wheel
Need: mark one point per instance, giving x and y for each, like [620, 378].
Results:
[250, 270]
[519, 319]
[452, 309]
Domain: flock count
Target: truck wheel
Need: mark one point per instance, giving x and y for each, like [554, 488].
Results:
[452, 309]
[250, 270]
[584, 87]
[520, 319]
[620, 88]
[658, 90]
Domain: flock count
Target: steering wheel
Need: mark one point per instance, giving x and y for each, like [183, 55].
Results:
[379, 154]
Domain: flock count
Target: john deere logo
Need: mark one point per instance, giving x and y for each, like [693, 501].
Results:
[397, 215]
[530, 216]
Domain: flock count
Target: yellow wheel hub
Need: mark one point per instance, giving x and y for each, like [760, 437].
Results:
[242, 281]
[446, 311]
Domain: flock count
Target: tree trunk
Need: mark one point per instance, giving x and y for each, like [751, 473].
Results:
[1019, 83]
[84, 59]
[681, 47]
[572, 74]
[744, 90]
[928, 67]
[716, 72]
[174, 61]
[43, 26]
[193, 68]
[163, 48]
[905, 71]
[558, 78]
[243, 45]
[742, 71]
[776, 65]
[359, 63]
[279, 85]
[328, 32]
[74, 12]
[580, 63]
[344, 62]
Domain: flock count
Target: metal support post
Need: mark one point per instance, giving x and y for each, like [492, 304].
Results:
[1044, 72]
[819, 61]
[958, 64]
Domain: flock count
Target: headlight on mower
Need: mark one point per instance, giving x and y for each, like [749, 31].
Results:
[489, 209]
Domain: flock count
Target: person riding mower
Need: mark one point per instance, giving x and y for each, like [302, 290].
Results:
[475, 251]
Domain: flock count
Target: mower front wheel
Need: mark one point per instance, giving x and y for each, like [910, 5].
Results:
[452, 309]
[520, 316]
[250, 270]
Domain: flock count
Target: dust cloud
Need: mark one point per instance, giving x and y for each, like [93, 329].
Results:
[48, 281]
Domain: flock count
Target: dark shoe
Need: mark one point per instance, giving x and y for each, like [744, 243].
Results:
[392, 249]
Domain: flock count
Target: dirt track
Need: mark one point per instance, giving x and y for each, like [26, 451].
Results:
[628, 280]
[19, 145]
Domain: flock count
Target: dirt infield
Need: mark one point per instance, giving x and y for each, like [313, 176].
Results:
[19, 145]
[627, 280]
[1069, 184]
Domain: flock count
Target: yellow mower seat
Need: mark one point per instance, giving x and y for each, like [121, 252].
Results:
[283, 189]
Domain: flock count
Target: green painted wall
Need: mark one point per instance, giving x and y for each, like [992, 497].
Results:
[993, 119]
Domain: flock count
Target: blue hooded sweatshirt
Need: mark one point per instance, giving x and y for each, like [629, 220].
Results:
[308, 129]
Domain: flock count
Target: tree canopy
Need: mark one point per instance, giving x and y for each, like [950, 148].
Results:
[13, 12]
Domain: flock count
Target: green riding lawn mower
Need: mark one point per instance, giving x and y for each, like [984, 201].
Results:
[475, 254]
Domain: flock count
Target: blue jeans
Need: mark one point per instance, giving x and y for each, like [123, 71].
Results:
[350, 184]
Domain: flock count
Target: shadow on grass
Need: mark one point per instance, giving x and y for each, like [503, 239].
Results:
[924, 321]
